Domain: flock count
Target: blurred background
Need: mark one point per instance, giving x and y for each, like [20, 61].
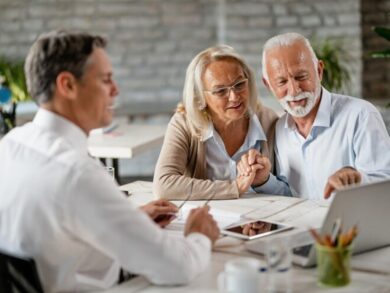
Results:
[151, 43]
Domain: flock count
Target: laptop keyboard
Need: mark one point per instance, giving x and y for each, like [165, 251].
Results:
[303, 250]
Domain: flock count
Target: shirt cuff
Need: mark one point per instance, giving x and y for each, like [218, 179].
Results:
[200, 238]
[364, 178]
[268, 187]
[274, 185]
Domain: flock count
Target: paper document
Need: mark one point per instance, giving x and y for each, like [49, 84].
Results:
[305, 214]
[223, 218]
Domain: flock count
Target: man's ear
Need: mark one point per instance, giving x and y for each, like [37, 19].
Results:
[266, 83]
[66, 85]
[320, 69]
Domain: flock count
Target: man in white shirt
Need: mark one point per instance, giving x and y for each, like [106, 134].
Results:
[60, 207]
[325, 140]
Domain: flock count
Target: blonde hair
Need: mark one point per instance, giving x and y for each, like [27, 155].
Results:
[194, 102]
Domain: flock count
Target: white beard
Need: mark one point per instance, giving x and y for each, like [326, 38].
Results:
[300, 111]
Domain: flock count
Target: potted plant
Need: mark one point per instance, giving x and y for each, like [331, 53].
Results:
[336, 76]
[13, 90]
[383, 32]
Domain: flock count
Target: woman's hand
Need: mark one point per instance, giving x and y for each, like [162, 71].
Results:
[254, 161]
[246, 180]
[243, 183]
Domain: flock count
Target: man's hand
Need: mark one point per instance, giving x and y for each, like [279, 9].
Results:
[254, 160]
[344, 176]
[161, 211]
[200, 221]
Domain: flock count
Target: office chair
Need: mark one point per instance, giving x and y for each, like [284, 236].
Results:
[18, 275]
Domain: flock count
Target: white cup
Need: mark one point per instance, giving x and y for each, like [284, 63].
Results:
[240, 275]
[278, 257]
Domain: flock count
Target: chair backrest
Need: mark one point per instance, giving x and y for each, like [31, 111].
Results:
[18, 275]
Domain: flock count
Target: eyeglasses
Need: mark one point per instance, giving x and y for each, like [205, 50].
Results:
[224, 92]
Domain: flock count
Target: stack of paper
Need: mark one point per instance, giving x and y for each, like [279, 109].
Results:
[223, 218]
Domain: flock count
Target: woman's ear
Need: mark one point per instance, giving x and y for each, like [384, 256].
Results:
[66, 85]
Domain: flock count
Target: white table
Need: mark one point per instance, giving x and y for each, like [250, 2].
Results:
[283, 209]
[125, 141]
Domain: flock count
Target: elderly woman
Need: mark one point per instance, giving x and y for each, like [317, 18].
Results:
[219, 120]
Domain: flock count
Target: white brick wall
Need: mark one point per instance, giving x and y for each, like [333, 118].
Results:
[152, 41]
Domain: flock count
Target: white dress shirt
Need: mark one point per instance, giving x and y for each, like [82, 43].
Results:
[346, 132]
[60, 207]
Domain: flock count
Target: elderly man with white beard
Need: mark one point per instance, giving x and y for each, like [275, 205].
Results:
[325, 140]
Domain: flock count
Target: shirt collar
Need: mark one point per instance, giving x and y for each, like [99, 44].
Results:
[324, 110]
[255, 131]
[323, 115]
[63, 127]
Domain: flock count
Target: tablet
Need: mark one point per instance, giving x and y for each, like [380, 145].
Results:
[254, 229]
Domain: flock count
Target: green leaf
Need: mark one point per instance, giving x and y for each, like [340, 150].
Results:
[384, 32]
[381, 54]
[13, 73]
[336, 75]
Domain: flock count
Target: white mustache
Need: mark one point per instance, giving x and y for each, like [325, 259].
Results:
[301, 96]
[299, 111]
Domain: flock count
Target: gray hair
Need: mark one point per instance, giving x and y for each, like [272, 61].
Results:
[56, 52]
[193, 96]
[285, 40]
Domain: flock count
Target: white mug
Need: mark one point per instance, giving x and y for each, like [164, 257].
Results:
[240, 275]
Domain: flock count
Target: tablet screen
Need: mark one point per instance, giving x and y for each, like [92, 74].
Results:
[254, 229]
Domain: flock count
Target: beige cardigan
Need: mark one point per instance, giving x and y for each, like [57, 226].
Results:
[182, 162]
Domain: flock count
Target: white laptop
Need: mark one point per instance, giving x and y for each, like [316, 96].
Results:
[367, 206]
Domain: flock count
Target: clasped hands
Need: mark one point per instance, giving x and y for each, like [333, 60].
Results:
[254, 169]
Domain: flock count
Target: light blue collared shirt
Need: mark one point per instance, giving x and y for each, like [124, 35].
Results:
[220, 166]
[346, 132]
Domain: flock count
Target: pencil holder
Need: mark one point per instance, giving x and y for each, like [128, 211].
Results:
[333, 265]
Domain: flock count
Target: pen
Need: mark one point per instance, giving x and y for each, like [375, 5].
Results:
[336, 232]
[207, 201]
[183, 202]
[211, 197]
[186, 199]
[316, 236]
